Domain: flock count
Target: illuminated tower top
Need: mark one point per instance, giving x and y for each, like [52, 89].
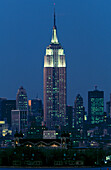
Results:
[54, 34]
[55, 56]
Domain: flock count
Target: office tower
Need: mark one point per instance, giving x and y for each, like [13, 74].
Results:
[54, 84]
[15, 117]
[79, 112]
[108, 108]
[1, 101]
[36, 110]
[6, 107]
[21, 99]
[69, 117]
[96, 107]
[19, 116]
[19, 121]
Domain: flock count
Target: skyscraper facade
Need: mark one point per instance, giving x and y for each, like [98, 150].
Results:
[69, 117]
[54, 84]
[6, 107]
[1, 104]
[19, 116]
[15, 120]
[79, 112]
[96, 107]
[36, 110]
[108, 108]
[21, 99]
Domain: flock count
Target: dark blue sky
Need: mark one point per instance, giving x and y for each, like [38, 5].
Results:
[84, 30]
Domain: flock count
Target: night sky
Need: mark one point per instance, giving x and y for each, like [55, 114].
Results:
[84, 30]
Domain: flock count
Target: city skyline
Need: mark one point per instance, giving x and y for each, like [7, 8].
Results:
[25, 32]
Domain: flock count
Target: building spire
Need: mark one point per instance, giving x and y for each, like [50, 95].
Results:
[54, 33]
[54, 18]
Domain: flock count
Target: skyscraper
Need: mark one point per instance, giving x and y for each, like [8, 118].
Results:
[21, 99]
[19, 116]
[79, 112]
[1, 104]
[108, 108]
[96, 107]
[7, 106]
[54, 83]
[69, 116]
[36, 110]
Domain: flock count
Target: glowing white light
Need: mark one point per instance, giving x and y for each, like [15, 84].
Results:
[54, 37]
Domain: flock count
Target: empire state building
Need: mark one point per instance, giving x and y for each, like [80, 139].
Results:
[54, 84]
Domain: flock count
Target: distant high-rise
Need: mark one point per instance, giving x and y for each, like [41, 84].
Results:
[21, 99]
[36, 110]
[79, 112]
[69, 117]
[19, 116]
[96, 107]
[6, 107]
[15, 120]
[1, 104]
[108, 108]
[54, 83]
